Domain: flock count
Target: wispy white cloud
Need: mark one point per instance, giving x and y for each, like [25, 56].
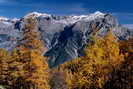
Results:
[128, 26]
[128, 16]
[122, 13]
[124, 18]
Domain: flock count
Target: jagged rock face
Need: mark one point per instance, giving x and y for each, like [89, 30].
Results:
[64, 36]
[8, 35]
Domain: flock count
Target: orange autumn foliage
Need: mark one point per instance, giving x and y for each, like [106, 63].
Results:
[121, 77]
[25, 67]
[91, 70]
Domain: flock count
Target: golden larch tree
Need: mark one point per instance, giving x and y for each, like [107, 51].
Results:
[91, 70]
[25, 67]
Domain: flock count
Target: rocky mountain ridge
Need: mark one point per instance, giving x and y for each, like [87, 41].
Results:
[64, 36]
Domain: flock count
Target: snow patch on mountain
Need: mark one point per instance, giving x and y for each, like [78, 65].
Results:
[130, 26]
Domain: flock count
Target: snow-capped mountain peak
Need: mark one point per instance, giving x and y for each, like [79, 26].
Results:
[75, 18]
[90, 16]
[95, 15]
[99, 13]
[3, 18]
[67, 20]
[36, 14]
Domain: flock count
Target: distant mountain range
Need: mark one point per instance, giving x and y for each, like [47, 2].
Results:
[64, 36]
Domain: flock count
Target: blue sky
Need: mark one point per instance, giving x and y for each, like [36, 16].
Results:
[121, 9]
